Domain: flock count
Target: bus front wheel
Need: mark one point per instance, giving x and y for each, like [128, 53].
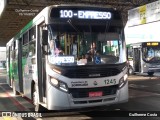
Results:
[130, 70]
[38, 107]
[150, 73]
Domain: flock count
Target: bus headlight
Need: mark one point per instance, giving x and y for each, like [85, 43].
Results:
[123, 81]
[54, 81]
[59, 84]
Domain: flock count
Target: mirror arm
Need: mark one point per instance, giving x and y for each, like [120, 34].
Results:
[45, 52]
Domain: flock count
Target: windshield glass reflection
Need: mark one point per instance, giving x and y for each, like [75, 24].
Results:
[84, 45]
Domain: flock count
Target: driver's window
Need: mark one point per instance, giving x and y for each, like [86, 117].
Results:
[51, 47]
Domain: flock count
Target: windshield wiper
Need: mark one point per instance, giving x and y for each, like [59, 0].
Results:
[106, 29]
[73, 26]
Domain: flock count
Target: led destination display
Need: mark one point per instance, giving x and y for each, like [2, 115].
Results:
[85, 14]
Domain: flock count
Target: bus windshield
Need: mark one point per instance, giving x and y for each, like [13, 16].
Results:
[151, 53]
[72, 44]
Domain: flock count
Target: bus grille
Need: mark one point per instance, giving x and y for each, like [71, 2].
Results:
[84, 92]
[91, 72]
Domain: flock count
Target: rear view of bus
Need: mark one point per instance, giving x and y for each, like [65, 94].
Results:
[80, 59]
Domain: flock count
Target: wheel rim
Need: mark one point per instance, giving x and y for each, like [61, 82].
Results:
[35, 100]
[130, 71]
[35, 97]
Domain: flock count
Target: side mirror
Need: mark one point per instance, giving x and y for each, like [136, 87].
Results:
[44, 37]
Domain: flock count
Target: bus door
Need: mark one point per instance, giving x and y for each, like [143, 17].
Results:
[41, 62]
[8, 65]
[20, 73]
[137, 60]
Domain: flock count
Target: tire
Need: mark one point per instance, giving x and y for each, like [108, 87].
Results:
[130, 70]
[150, 73]
[37, 106]
[14, 89]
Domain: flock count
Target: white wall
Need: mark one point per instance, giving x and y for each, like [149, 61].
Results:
[143, 33]
[2, 53]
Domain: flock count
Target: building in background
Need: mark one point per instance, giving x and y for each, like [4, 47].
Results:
[2, 59]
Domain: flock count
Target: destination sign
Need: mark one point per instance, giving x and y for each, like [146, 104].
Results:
[152, 43]
[85, 14]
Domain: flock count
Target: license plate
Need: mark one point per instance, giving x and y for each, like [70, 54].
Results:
[95, 94]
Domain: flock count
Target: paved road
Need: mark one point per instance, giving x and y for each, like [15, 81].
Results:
[144, 98]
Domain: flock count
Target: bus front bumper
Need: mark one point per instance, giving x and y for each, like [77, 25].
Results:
[154, 69]
[59, 100]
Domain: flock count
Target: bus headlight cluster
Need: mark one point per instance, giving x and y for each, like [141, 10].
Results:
[123, 81]
[59, 84]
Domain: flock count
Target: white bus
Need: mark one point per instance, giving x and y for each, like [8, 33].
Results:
[49, 61]
[143, 39]
[144, 57]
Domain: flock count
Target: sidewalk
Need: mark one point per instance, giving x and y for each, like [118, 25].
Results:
[10, 118]
[144, 76]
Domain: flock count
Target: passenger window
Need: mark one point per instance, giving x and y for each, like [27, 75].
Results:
[25, 51]
[32, 34]
[25, 38]
[32, 48]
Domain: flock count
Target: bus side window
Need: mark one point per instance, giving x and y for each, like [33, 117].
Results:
[32, 48]
[32, 44]
[32, 34]
[32, 41]
[31, 54]
[25, 51]
[13, 53]
[25, 45]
